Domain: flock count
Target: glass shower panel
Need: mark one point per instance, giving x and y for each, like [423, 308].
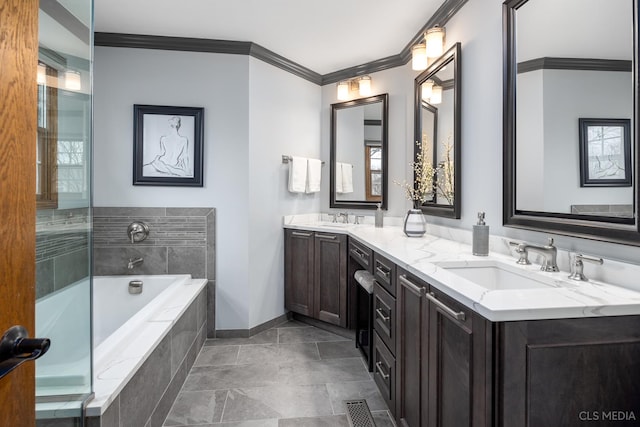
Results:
[63, 197]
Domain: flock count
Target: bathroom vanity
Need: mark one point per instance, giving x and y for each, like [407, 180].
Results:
[462, 340]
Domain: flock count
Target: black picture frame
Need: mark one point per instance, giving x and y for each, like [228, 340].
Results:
[605, 152]
[167, 145]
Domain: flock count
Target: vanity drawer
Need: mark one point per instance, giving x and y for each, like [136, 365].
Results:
[384, 372]
[384, 272]
[384, 316]
[362, 254]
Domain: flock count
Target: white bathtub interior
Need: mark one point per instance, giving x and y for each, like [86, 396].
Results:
[65, 318]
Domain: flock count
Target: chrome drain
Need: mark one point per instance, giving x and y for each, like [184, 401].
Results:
[358, 413]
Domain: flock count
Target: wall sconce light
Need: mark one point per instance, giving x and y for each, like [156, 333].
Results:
[72, 80]
[433, 47]
[436, 95]
[360, 84]
[419, 57]
[427, 90]
[41, 76]
[434, 40]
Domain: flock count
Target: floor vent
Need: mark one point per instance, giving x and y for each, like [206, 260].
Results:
[358, 413]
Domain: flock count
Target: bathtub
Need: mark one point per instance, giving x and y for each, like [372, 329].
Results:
[126, 329]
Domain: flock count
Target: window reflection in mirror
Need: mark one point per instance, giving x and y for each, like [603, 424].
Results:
[358, 153]
[437, 131]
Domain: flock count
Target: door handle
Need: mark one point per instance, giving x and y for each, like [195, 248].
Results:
[16, 348]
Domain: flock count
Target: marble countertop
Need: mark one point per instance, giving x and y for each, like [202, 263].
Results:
[562, 298]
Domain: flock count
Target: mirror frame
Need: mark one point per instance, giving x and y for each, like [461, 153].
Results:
[450, 56]
[608, 229]
[360, 204]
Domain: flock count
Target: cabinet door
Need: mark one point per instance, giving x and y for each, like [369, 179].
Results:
[459, 365]
[330, 278]
[411, 353]
[298, 271]
[570, 372]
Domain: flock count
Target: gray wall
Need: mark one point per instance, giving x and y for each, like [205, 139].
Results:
[181, 241]
[254, 113]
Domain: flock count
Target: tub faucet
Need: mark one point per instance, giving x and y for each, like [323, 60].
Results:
[549, 252]
[134, 262]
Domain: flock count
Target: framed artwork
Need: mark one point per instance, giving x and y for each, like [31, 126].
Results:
[605, 153]
[167, 145]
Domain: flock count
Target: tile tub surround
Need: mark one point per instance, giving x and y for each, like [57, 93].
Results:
[180, 241]
[62, 248]
[565, 299]
[290, 375]
[136, 384]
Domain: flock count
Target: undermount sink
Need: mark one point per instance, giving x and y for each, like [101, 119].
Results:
[495, 275]
[333, 224]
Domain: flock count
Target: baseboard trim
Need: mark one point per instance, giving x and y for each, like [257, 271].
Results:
[247, 333]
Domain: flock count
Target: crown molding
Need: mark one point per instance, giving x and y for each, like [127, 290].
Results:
[141, 41]
[584, 64]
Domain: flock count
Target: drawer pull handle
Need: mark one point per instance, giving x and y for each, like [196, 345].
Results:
[297, 233]
[384, 375]
[326, 236]
[383, 272]
[418, 290]
[359, 253]
[381, 315]
[458, 315]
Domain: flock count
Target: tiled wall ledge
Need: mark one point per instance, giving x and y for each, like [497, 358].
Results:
[181, 241]
[62, 248]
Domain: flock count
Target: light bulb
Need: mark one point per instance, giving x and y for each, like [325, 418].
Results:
[436, 95]
[419, 57]
[364, 86]
[434, 39]
[427, 90]
[343, 90]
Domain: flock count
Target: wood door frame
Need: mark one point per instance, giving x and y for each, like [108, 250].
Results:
[18, 125]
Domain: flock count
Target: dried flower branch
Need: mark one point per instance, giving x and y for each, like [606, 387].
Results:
[430, 181]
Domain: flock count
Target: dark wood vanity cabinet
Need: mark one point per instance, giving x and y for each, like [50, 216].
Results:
[315, 275]
[443, 359]
[569, 372]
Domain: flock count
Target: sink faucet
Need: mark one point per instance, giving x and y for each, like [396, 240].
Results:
[345, 217]
[134, 262]
[549, 252]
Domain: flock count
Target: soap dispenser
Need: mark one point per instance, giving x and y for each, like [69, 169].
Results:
[379, 216]
[480, 244]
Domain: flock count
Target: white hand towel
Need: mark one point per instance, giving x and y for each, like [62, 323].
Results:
[314, 175]
[347, 178]
[338, 177]
[297, 174]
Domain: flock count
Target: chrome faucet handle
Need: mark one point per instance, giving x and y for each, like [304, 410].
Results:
[358, 218]
[523, 254]
[550, 242]
[345, 216]
[577, 266]
[334, 217]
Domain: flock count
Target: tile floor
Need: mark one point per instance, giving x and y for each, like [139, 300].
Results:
[293, 375]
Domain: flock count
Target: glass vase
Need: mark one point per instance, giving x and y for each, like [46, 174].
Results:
[414, 223]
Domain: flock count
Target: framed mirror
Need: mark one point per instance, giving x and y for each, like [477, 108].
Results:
[570, 103]
[358, 169]
[437, 132]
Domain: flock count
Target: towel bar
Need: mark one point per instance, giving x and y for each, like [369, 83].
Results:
[287, 159]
